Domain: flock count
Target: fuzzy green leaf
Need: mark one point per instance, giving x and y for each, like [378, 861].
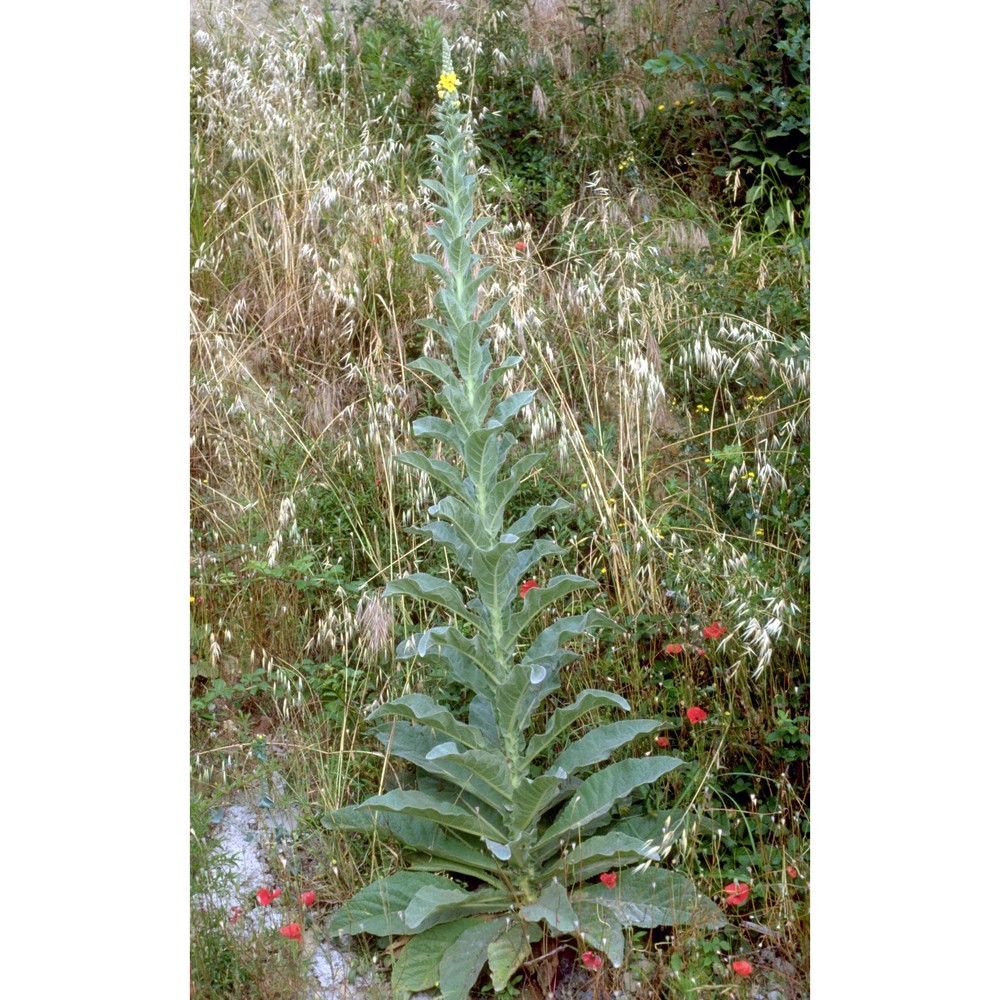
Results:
[378, 908]
[463, 961]
[442, 850]
[533, 797]
[466, 520]
[497, 572]
[509, 951]
[422, 747]
[434, 366]
[596, 796]
[656, 897]
[441, 472]
[586, 701]
[426, 587]
[482, 459]
[510, 406]
[552, 906]
[440, 430]
[436, 904]
[599, 854]
[482, 716]
[424, 709]
[537, 515]
[601, 929]
[599, 744]
[439, 809]
[417, 966]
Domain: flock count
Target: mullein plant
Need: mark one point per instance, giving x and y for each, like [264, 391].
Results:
[513, 835]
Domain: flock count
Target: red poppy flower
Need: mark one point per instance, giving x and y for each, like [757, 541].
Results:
[696, 714]
[307, 898]
[700, 651]
[609, 879]
[662, 741]
[742, 968]
[526, 586]
[714, 631]
[265, 896]
[792, 873]
[591, 960]
[520, 245]
[292, 931]
[236, 913]
[737, 893]
[674, 648]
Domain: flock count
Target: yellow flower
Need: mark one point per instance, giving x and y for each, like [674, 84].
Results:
[447, 84]
[192, 600]
[677, 104]
[659, 107]
[760, 531]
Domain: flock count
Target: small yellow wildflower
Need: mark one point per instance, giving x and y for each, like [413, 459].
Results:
[660, 107]
[447, 84]
[192, 600]
[760, 531]
[677, 104]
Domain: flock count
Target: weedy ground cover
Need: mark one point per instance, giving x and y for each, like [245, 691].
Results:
[665, 336]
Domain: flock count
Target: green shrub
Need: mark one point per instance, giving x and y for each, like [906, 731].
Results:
[756, 86]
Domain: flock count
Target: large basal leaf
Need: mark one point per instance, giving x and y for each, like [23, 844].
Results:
[421, 746]
[532, 798]
[482, 716]
[424, 709]
[655, 897]
[424, 586]
[509, 951]
[443, 851]
[378, 908]
[426, 806]
[435, 905]
[599, 744]
[661, 828]
[356, 819]
[552, 906]
[596, 796]
[599, 854]
[519, 694]
[416, 968]
[601, 929]
[463, 961]
[586, 701]
[485, 773]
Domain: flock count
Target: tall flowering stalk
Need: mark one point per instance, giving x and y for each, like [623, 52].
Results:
[501, 802]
